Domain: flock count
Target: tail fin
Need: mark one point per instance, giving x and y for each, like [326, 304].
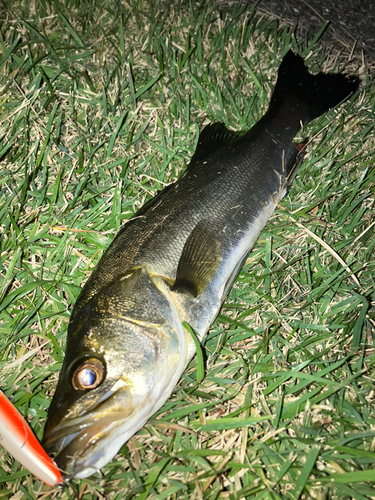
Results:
[319, 92]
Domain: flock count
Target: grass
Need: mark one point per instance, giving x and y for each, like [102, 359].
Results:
[101, 106]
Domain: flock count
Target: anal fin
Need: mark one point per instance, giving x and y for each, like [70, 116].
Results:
[295, 161]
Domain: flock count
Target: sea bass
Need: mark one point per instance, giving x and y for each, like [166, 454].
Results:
[175, 261]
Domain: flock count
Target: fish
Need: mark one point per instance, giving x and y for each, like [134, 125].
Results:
[175, 261]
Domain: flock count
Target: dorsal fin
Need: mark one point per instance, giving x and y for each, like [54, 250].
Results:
[213, 137]
[199, 261]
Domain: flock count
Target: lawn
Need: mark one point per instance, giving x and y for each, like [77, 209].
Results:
[101, 105]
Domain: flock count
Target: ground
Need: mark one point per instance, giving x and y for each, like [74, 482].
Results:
[351, 24]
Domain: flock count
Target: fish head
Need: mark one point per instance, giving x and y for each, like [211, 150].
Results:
[125, 353]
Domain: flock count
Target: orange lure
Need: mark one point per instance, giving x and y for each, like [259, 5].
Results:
[19, 440]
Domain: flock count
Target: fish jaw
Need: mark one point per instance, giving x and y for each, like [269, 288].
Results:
[86, 428]
[89, 442]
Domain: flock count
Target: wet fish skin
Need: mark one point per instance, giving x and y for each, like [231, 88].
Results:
[175, 261]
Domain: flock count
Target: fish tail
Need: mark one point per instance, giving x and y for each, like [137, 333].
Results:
[318, 92]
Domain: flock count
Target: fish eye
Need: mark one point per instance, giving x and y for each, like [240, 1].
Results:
[88, 375]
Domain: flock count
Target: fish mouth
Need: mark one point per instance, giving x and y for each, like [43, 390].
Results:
[84, 444]
[73, 459]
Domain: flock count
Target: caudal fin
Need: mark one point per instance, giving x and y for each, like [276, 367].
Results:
[318, 92]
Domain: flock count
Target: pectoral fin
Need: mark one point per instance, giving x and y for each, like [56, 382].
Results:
[199, 261]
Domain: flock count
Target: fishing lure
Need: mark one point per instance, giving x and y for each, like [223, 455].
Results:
[19, 440]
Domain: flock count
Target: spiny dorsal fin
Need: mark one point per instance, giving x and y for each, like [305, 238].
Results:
[213, 137]
[199, 261]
